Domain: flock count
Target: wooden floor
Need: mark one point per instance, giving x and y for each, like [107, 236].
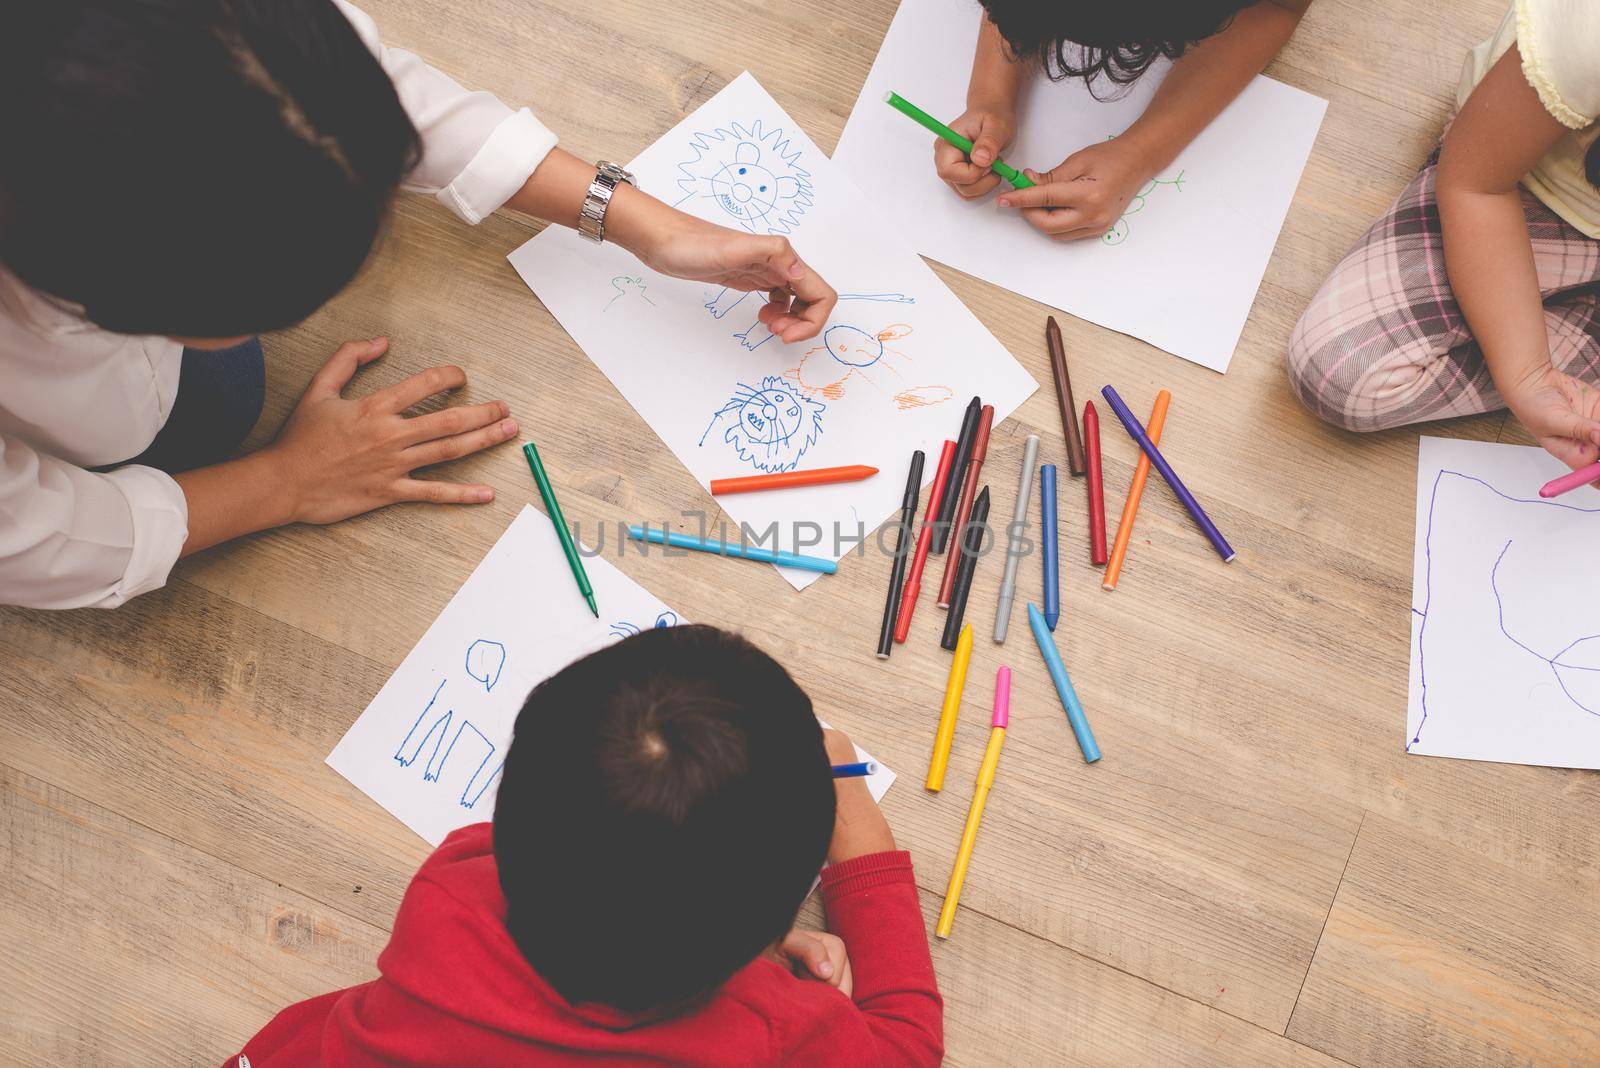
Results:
[1254, 875]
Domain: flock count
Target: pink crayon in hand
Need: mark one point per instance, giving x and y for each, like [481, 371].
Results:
[1567, 483]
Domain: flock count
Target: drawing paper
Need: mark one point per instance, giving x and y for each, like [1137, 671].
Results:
[893, 371]
[430, 746]
[1505, 635]
[1179, 270]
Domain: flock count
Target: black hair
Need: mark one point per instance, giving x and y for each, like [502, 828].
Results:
[665, 806]
[1117, 41]
[202, 168]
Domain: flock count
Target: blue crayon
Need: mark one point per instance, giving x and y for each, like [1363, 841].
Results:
[732, 548]
[1069, 696]
[851, 771]
[1047, 543]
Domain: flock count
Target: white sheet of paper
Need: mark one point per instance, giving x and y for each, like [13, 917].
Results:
[893, 371]
[1179, 270]
[430, 746]
[1505, 637]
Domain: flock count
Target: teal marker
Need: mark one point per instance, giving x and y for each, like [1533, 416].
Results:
[1017, 179]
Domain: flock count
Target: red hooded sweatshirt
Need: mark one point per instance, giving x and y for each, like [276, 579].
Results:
[455, 990]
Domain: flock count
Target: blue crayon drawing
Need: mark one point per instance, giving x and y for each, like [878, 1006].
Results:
[434, 726]
[485, 660]
[624, 629]
[756, 334]
[626, 284]
[1572, 667]
[752, 174]
[769, 425]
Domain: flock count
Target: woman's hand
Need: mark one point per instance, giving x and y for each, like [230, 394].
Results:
[340, 457]
[818, 955]
[1086, 194]
[1563, 412]
[990, 127]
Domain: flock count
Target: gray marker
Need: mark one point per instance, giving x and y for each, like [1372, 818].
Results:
[1008, 585]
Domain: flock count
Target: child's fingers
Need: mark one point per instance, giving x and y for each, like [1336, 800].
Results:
[1042, 195]
[809, 951]
[1054, 222]
[342, 365]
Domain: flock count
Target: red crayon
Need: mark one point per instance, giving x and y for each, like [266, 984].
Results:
[1097, 491]
[969, 490]
[913, 586]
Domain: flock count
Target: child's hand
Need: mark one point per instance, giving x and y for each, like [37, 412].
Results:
[990, 128]
[818, 955]
[1563, 412]
[1086, 194]
[858, 824]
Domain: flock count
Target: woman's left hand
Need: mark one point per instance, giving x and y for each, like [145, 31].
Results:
[1084, 196]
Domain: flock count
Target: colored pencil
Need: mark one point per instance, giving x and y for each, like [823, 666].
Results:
[1019, 516]
[1130, 422]
[1048, 547]
[945, 528]
[732, 548]
[1119, 551]
[552, 507]
[908, 596]
[902, 546]
[1097, 489]
[1017, 179]
[1069, 411]
[1567, 483]
[948, 711]
[1063, 684]
[854, 771]
[972, 536]
[969, 490]
[821, 476]
[980, 795]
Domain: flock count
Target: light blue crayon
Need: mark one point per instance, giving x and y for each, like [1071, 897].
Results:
[731, 548]
[1069, 696]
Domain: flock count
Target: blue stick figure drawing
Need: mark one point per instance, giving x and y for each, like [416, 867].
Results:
[485, 659]
[769, 425]
[751, 174]
[623, 629]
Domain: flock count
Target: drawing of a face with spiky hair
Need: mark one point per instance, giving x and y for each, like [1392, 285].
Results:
[752, 175]
[769, 425]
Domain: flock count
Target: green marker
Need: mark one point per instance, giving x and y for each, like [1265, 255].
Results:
[1017, 179]
[548, 493]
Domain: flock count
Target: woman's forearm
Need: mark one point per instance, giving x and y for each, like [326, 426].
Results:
[232, 499]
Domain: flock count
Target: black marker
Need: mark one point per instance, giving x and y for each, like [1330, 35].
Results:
[958, 475]
[971, 545]
[902, 546]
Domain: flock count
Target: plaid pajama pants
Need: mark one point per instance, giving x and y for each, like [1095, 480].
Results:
[1384, 344]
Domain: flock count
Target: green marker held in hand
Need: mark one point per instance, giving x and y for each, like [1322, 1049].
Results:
[1017, 179]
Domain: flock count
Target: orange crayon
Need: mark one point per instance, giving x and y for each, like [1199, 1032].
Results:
[1158, 419]
[820, 476]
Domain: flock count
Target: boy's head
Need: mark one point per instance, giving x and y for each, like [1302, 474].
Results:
[195, 168]
[665, 806]
[1118, 41]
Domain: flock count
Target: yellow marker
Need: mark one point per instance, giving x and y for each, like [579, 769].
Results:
[969, 834]
[952, 705]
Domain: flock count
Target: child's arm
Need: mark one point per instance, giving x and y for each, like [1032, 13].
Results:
[990, 121]
[1095, 184]
[1500, 133]
[871, 900]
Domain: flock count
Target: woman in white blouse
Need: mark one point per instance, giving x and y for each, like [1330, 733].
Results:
[182, 176]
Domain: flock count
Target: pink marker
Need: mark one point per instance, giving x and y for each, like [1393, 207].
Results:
[1002, 699]
[1567, 483]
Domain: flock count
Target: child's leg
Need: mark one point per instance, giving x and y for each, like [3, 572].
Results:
[1384, 344]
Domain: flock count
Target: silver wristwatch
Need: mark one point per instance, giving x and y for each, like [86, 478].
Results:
[592, 218]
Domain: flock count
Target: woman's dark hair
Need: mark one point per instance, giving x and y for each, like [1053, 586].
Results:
[202, 168]
[1116, 40]
[664, 808]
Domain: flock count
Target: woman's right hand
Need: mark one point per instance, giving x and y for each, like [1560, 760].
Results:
[339, 457]
[990, 128]
[1563, 412]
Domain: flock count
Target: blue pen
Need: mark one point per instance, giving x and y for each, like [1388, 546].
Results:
[731, 548]
[853, 771]
[1069, 696]
[1047, 543]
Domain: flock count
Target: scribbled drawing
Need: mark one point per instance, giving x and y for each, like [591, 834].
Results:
[623, 629]
[751, 173]
[1568, 660]
[485, 660]
[439, 755]
[756, 334]
[626, 284]
[1120, 229]
[849, 353]
[770, 425]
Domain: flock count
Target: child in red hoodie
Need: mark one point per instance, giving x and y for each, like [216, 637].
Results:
[664, 809]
